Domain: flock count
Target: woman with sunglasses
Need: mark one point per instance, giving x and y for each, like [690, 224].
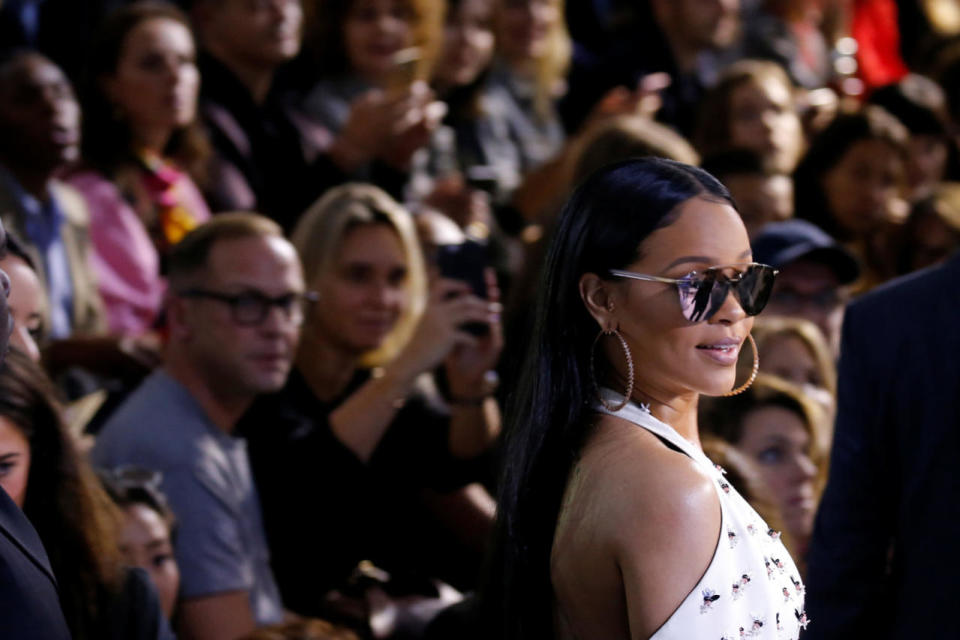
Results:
[612, 521]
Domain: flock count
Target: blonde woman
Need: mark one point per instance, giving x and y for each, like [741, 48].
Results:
[357, 433]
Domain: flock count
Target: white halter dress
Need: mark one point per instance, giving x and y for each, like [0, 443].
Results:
[752, 588]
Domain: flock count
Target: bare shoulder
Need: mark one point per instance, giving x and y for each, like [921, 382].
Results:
[661, 521]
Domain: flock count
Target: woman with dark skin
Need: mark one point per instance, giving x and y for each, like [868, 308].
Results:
[610, 514]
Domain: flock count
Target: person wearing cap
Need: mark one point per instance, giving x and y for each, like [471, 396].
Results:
[884, 557]
[815, 274]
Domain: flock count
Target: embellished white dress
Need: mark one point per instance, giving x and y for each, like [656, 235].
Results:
[752, 588]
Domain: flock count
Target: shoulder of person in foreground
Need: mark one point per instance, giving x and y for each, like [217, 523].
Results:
[662, 521]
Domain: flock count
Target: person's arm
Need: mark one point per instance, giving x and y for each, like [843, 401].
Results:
[224, 616]
[852, 536]
[665, 542]
[360, 422]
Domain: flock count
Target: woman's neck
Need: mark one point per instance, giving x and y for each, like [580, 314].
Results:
[153, 140]
[681, 414]
[326, 369]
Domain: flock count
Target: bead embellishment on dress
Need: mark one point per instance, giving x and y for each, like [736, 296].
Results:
[766, 563]
[797, 585]
[709, 597]
[778, 564]
[802, 618]
[774, 535]
[786, 594]
[732, 537]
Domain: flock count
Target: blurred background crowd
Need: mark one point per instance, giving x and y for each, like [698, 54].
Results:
[289, 420]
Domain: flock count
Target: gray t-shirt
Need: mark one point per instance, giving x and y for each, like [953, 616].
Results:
[220, 543]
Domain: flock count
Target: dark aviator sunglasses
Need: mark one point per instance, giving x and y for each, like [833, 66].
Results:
[702, 293]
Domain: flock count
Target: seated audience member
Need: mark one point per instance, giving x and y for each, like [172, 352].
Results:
[777, 429]
[932, 232]
[59, 493]
[142, 150]
[919, 104]
[752, 107]
[365, 84]
[234, 310]
[850, 183]
[762, 195]
[147, 528]
[268, 156]
[25, 301]
[39, 135]
[358, 426]
[682, 41]
[816, 273]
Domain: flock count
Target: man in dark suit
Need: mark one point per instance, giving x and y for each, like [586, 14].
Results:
[885, 554]
[29, 605]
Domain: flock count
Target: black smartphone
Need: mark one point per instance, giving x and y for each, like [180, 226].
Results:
[467, 262]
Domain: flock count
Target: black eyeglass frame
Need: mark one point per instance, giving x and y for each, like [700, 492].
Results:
[261, 303]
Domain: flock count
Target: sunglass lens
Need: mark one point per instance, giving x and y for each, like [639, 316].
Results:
[754, 287]
[698, 296]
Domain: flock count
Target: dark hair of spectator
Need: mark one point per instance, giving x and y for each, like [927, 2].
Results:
[324, 27]
[15, 248]
[917, 102]
[189, 256]
[603, 226]
[625, 137]
[74, 517]
[712, 133]
[826, 151]
[106, 142]
[724, 417]
[129, 486]
[302, 630]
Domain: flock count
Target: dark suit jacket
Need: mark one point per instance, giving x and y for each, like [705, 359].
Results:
[885, 557]
[29, 605]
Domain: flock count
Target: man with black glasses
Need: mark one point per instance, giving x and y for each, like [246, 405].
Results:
[234, 309]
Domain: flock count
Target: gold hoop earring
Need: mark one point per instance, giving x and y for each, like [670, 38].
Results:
[593, 376]
[753, 374]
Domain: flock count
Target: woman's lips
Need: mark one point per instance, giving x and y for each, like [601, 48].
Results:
[725, 351]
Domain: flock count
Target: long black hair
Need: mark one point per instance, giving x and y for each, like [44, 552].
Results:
[602, 227]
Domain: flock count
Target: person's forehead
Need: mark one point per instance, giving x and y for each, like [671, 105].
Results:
[253, 260]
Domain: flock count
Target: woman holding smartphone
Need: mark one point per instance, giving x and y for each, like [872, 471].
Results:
[613, 523]
[359, 427]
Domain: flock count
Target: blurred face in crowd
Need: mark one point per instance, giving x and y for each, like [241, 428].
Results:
[373, 32]
[364, 292]
[679, 356]
[468, 43]
[26, 305]
[931, 240]
[156, 81]
[863, 187]
[523, 28]
[810, 290]
[700, 24]
[763, 119]
[761, 198]
[778, 442]
[787, 356]
[145, 543]
[245, 357]
[39, 114]
[14, 460]
[260, 34]
[926, 164]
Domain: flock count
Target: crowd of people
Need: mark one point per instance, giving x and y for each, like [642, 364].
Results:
[276, 368]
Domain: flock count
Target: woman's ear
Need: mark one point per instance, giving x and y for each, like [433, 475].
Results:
[597, 296]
